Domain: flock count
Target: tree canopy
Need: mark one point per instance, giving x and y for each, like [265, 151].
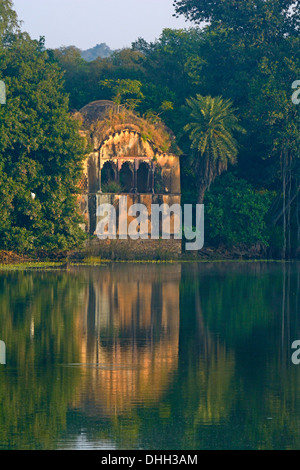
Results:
[40, 147]
[245, 53]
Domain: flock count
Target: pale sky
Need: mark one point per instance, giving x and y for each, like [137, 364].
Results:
[85, 23]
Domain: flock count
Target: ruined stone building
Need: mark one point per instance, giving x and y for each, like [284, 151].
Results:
[128, 156]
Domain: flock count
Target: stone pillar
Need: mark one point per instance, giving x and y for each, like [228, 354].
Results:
[152, 177]
[136, 167]
[149, 180]
[119, 167]
[99, 177]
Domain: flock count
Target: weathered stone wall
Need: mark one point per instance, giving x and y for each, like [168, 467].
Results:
[83, 203]
[92, 166]
[135, 249]
[126, 144]
[145, 199]
[170, 165]
[129, 146]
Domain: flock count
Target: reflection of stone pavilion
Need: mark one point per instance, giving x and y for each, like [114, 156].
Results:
[130, 338]
[124, 162]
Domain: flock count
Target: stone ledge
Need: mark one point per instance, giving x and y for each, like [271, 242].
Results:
[135, 249]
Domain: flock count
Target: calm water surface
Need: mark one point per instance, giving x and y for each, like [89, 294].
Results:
[191, 356]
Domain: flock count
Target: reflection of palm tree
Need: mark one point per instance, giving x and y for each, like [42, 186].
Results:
[211, 131]
[214, 382]
[211, 371]
[203, 332]
[193, 323]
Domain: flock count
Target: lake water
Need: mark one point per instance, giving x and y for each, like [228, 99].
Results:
[147, 356]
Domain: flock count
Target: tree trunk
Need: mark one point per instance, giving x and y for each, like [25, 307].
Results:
[201, 194]
[298, 221]
[284, 202]
[279, 214]
[289, 206]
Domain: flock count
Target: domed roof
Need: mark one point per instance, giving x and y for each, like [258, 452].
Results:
[98, 124]
[96, 110]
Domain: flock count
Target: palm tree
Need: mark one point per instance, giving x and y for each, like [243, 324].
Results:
[211, 132]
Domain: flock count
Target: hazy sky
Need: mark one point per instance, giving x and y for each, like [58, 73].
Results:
[85, 23]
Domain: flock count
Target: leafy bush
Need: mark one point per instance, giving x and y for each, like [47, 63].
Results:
[111, 187]
[235, 212]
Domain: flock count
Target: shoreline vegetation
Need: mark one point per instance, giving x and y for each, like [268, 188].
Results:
[57, 266]
[10, 261]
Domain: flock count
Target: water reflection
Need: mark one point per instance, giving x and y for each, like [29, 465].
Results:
[172, 356]
[129, 337]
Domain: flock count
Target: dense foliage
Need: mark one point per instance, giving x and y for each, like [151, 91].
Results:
[242, 53]
[247, 53]
[235, 212]
[40, 147]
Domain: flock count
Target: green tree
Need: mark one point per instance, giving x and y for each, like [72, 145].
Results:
[8, 20]
[75, 74]
[126, 92]
[250, 53]
[280, 121]
[236, 212]
[166, 70]
[250, 17]
[213, 122]
[41, 151]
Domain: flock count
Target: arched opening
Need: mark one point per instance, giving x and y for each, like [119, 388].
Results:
[108, 177]
[127, 177]
[143, 178]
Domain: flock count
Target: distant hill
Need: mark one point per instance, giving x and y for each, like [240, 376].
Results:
[101, 50]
